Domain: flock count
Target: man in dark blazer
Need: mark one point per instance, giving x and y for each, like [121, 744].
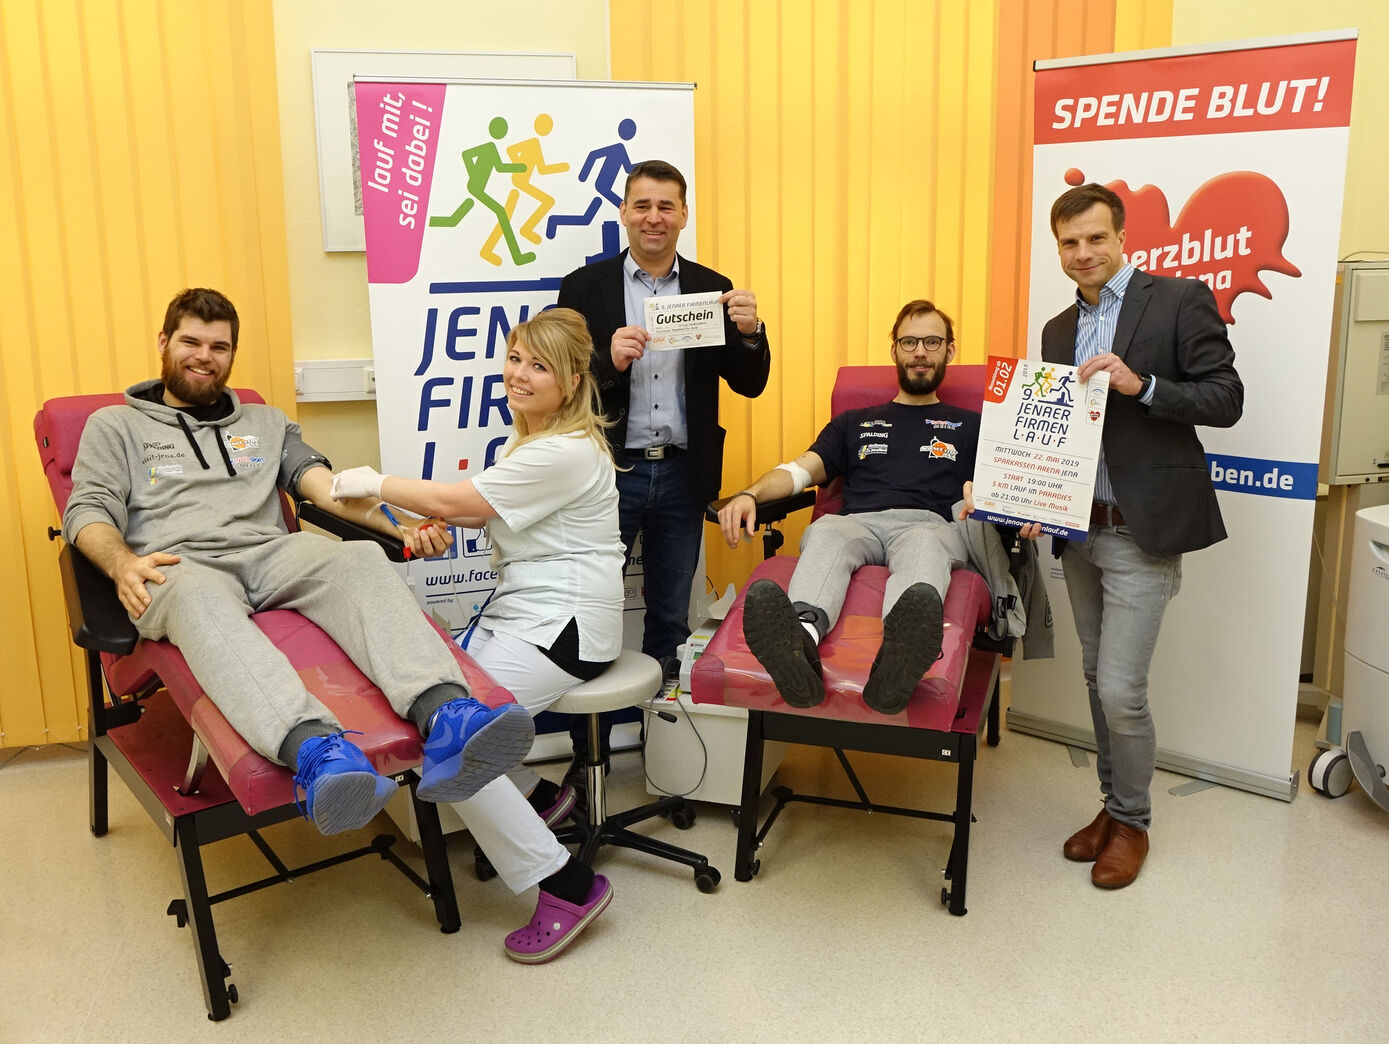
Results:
[663, 405]
[1170, 368]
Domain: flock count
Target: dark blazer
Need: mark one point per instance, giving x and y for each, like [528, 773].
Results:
[595, 291]
[1169, 328]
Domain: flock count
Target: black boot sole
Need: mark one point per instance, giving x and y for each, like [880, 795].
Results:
[911, 643]
[775, 636]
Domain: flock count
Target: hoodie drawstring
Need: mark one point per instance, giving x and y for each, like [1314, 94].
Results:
[197, 450]
[226, 457]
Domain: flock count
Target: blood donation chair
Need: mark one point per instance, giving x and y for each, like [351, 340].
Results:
[191, 772]
[946, 713]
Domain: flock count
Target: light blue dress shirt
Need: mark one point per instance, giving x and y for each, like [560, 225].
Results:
[656, 411]
[1095, 335]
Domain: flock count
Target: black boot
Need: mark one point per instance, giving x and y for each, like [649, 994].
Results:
[775, 636]
[912, 632]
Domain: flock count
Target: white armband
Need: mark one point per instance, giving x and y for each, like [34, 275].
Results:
[800, 478]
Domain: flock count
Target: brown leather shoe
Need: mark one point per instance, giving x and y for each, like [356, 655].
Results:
[1085, 846]
[1122, 858]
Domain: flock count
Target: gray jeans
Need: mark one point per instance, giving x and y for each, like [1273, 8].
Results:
[916, 546]
[348, 589]
[1118, 594]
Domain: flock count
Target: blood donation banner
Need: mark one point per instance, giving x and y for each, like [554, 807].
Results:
[478, 198]
[1230, 160]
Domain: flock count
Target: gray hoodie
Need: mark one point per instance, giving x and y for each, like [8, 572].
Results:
[1021, 608]
[168, 482]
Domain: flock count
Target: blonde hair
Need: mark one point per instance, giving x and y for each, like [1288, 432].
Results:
[559, 338]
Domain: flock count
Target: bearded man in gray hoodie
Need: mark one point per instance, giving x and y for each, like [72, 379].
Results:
[176, 498]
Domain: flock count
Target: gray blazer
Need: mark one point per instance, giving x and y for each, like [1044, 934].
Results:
[1169, 328]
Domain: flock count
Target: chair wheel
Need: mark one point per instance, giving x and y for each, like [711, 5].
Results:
[232, 995]
[683, 817]
[706, 880]
[1330, 772]
[945, 897]
[483, 869]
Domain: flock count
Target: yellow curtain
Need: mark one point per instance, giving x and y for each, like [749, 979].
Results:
[852, 155]
[139, 153]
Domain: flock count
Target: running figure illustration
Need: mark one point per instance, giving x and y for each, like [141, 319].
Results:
[481, 162]
[612, 161]
[530, 153]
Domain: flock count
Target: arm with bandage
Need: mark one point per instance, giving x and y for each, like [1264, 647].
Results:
[739, 514]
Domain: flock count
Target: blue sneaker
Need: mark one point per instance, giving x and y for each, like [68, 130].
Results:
[341, 789]
[471, 744]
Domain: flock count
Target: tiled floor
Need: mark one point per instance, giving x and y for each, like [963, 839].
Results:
[1254, 920]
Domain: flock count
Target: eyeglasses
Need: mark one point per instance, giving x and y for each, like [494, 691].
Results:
[931, 344]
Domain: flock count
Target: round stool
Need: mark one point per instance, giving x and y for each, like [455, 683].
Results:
[631, 680]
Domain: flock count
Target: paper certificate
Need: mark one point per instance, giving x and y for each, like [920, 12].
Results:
[685, 321]
[1039, 445]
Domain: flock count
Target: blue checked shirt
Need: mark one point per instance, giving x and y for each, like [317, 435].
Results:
[1095, 335]
[656, 413]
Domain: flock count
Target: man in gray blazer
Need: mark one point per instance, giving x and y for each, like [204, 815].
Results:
[1170, 368]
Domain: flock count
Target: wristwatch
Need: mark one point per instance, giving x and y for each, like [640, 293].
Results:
[752, 337]
[1146, 386]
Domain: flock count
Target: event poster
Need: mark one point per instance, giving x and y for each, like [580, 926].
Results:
[1210, 149]
[1039, 446]
[478, 198]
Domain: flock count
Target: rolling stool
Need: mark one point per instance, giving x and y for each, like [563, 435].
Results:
[631, 680]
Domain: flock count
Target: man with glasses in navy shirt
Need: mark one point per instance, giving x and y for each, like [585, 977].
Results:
[1170, 368]
[906, 465]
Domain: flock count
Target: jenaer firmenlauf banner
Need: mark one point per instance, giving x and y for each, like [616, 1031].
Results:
[478, 198]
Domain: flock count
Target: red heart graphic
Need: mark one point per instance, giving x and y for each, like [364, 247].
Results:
[1232, 228]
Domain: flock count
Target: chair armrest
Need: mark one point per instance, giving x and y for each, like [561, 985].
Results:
[768, 511]
[95, 615]
[346, 529]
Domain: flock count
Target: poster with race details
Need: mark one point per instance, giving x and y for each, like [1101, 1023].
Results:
[1039, 446]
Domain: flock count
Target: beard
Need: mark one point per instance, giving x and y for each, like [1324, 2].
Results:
[911, 385]
[181, 388]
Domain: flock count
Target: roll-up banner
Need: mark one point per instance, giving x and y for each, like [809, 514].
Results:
[478, 198]
[1230, 160]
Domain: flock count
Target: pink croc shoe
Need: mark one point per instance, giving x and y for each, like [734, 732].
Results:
[556, 924]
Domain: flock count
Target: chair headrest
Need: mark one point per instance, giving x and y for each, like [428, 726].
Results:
[58, 432]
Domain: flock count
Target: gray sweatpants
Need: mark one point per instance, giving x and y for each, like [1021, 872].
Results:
[346, 588]
[916, 546]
